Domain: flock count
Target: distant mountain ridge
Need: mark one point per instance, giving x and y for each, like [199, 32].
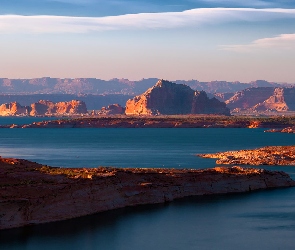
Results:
[93, 86]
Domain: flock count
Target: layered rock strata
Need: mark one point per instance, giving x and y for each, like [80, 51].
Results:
[31, 193]
[271, 155]
[170, 98]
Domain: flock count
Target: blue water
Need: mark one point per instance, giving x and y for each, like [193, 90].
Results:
[258, 220]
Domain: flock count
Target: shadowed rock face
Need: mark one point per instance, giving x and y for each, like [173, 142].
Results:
[170, 98]
[31, 193]
[113, 109]
[44, 108]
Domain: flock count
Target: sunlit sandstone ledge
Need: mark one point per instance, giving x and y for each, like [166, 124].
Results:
[271, 155]
[31, 193]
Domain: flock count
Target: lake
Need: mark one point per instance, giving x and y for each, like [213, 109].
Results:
[257, 220]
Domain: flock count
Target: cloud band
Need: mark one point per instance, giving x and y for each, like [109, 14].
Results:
[194, 17]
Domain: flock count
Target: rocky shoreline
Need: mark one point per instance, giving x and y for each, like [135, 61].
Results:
[32, 193]
[289, 130]
[271, 155]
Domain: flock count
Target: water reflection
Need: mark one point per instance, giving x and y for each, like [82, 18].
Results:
[257, 220]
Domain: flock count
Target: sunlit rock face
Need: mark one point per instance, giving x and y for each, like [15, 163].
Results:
[12, 109]
[50, 108]
[169, 98]
[71, 107]
[270, 155]
[44, 108]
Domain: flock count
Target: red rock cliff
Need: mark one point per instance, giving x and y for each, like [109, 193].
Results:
[44, 108]
[12, 109]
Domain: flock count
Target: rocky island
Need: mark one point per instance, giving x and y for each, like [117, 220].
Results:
[31, 193]
[271, 155]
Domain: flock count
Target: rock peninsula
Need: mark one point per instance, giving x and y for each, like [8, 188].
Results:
[162, 121]
[31, 193]
[271, 155]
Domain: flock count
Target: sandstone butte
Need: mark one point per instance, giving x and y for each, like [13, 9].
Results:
[169, 98]
[271, 155]
[31, 193]
[43, 107]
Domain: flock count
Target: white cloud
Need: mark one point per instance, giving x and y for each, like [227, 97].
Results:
[194, 17]
[283, 41]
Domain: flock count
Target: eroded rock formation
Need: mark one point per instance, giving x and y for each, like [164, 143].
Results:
[170, 98]
[263, 99]
[31, 193]
[44, 108]
[13, 108]
[271, 155]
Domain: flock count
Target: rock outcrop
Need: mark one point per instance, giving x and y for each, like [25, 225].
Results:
[113, 109]
[31, 193]
[43, 107]
[289, 130]
[169, 98]
[263, 99]
[272, 155]
[13, 108]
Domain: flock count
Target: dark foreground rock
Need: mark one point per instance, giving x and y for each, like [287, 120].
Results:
[272, 155]
[31, 193]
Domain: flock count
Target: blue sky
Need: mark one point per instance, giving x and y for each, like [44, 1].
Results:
[191, 39]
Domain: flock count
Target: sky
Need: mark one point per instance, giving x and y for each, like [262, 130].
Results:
[205, 40]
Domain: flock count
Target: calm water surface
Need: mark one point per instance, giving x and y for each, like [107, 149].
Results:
[258, 220]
